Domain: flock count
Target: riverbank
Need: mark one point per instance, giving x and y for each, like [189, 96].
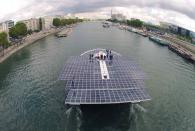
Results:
[182, 52]
[182, 48]
[26, 41]
[184, 44]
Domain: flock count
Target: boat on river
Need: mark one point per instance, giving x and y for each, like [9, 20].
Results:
[106, 24]
[102, 76]
[142, 33]
[123, 27]
[134, 30]
[64, 33]
[159, 40]
[129, 29]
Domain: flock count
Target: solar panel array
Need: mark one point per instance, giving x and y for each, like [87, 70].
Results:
[77, 96]
[86, 86]
[81, 67]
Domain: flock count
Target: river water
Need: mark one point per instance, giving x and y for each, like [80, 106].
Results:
[32, 98]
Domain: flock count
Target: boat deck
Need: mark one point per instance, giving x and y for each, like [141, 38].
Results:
[106, 80]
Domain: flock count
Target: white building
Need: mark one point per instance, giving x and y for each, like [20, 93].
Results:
[165, 25]
[47, 22]
[119, 17]
[1, 27]
[32, 24]
[5, 26]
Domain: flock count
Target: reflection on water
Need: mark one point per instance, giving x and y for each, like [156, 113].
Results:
[114, 117]
[19, 56]
[74, 116]
[6, 66]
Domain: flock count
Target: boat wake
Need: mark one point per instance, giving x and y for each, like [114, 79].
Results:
[140, 108]
[74, 116]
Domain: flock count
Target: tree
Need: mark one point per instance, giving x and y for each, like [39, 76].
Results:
[135, 23]
[19, 30]
[13, 32]
[56, 22]
[29, 32]
[64, 22]
[3, 40]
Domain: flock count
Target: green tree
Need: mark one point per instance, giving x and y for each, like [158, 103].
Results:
[64, 22]
[56, 22]
[135, 23]
[19, 30]
[3, 40]
[29, 32]
[13, 32]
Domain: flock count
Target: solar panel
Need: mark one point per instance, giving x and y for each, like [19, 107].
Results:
[91, 96]
[104, 84]
[103, 81]
[79, 67]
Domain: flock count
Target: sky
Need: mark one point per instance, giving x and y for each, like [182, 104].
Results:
[179, 12]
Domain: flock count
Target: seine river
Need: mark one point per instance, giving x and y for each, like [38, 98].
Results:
[32, 98]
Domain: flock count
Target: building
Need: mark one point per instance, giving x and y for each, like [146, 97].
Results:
[176, 29]
[119, 17]
[32, 24]
[192, 34]
[165, 25]
[180, 30]
[5, 26]
[1, 27]
[173, 29]
[47, 22]
[184, 32]
[193, 40]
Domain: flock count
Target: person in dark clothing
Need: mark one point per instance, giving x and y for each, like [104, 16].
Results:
[107, 53]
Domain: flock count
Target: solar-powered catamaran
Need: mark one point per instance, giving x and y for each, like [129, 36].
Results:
[102, 76]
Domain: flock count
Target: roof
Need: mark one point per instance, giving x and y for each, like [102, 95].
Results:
[92, 80]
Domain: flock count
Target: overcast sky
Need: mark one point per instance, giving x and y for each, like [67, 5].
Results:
[181, 12]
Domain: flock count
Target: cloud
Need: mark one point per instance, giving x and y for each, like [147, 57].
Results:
[153, 15]
[179, 11]
[186, 7]
[37, 8]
